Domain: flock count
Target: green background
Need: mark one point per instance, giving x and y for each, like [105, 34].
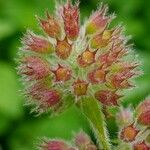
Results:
[18, 128]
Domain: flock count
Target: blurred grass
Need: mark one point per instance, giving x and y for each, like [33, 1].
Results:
[19, 129]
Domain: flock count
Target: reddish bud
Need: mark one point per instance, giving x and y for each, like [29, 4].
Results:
[63, 49]
[97, 76]
[50, 97]
[54, 145]
[46, 97]
[129, 133]
[34, 67]
[98, 21]
[37, 44]
[141, 146]
[80, 87]
[107, 97]
[71, 20]
[143, 106]
[120, 80]
[62, 73]
[51, 26]
[143, 112]
[36, 89]
[108, 58]
[86, 58]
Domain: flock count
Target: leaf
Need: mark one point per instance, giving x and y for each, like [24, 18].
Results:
[91, 109]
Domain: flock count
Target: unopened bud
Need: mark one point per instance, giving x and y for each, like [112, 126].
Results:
[34, 67]
[37, 44]
[143, 112]
[71, 20]
[124, 116]
[54, 145]
[83, 142]
[98, 21]
[107, 97]
[51, 26]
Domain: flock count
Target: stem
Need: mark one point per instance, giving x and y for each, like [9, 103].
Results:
[93, 112]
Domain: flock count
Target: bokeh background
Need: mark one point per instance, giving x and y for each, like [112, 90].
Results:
[19, 130]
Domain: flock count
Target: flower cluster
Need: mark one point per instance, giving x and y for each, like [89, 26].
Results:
[135, 132]
[88, 60]
[81, 141]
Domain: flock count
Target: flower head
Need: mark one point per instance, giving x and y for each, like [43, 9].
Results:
[75, 60]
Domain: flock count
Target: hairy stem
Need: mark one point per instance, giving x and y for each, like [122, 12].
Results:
[93, 112]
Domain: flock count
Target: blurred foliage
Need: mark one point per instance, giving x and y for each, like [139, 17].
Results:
[19, 129]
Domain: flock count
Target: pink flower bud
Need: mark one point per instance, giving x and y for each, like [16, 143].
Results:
[86, 58]
[37, 44]
[143, 112]
[34, 67]
[107, 97]
[120, 80]
[54, 145]
[98, 21]
[110, 57]
[51, 26]
[62, 73]
[83, 142]
[124, 117]
[71, 20]
[141, 146]
[80, 87]
[129, 133]
[63, 49]
[50, 97]
[97, 76]
[43, 96]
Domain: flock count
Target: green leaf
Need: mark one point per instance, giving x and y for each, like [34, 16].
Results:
[91, 109]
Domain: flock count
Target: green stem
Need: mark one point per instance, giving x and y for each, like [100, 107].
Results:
[93, 112]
